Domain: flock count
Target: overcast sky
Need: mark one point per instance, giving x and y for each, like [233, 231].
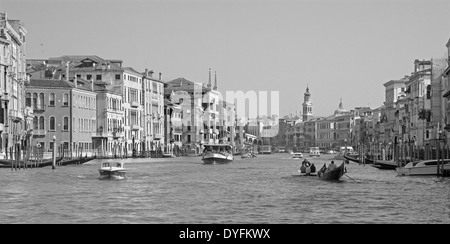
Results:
[342, 48]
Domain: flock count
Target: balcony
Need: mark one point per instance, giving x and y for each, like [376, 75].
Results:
[100, 135]
[134, 104]
[117, 135]
[16, 116]
[39, 132]
[135, 127]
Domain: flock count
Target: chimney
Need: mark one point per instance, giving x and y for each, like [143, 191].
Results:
[209, 80]
[160, 75]
[146, 73]
[92, 84]
[75, 81]
[108, 65]
[151, 73]
[215, 81]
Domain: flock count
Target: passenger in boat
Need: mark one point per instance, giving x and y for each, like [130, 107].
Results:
[331, 166]
[313, 168]
[306, 163]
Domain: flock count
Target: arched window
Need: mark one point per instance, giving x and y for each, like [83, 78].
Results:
[66, 123]
[35, 98]
[51, 99]
[41, 123]
[28, 99]
[41, 100]
[66, 99]
[52, 123]
[35, 123]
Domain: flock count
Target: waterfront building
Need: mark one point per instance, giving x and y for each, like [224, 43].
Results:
[14, 116]
[63, 111]
[140, 109]
[418, 93]
[335, 130]
[189, 95]
[154, 128]
[446, 95]
[108, 136]
[394, 89]
[173, 126]
[227, 123]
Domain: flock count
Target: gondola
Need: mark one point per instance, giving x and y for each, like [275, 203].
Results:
[353, 158]
[9, 163]
[333, 175]
[385, 165]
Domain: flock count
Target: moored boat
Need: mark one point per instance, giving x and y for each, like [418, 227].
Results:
[352, 157]
[424, 167]
[385, 165]
[108, 171]
[217, 154]
[331, 175]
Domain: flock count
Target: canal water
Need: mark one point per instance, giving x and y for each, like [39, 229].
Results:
[266, 189]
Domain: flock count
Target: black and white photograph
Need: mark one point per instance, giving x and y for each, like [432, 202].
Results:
[222, 119]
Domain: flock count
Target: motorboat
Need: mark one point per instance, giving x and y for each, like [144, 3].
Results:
[217, 154]
[314, 152]
[297, 155]
[424, 167]
[112, 170]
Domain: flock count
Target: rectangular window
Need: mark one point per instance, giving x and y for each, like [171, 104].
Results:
[117, 76]
[88, 77]
[98, 77]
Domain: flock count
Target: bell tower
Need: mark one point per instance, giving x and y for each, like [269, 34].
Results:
[307, 106]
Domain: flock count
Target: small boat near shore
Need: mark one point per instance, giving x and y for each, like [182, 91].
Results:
[423, 168]
[385, 165]
[331, 175]
[108, 171]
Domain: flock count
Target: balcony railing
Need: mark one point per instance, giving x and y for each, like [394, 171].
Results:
[134, 104]
[117, 135]
[16, 116]
[39, 132]
[135, 127]
[101, 134]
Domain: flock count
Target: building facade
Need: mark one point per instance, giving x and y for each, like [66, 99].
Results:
[65, 115]
[14, 117]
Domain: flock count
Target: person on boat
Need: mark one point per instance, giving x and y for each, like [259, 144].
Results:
[313, 168]
[331, 166]
[306, 163]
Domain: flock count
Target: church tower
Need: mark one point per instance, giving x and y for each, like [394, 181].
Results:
[307, 106]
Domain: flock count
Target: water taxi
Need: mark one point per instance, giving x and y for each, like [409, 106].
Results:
[314, 152]
[108, 170]
[217, 154]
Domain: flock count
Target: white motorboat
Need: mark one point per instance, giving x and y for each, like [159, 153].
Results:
[425, 167]
[297, 155]
[107, 170]
[217, 154]
[314, 152]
